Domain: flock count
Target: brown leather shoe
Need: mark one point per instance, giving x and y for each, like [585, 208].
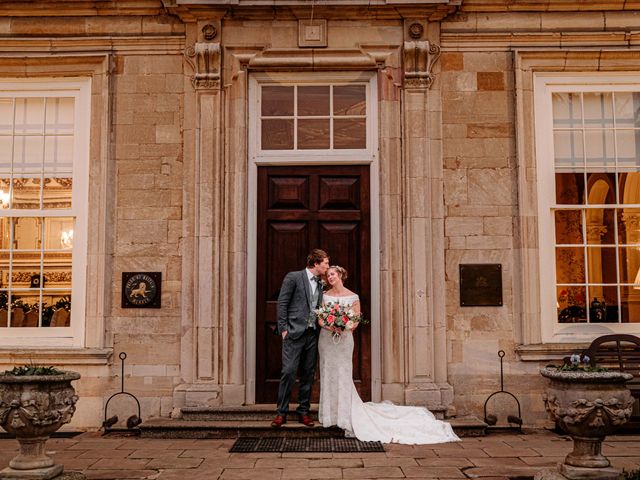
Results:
[279, 421]
[306, 420]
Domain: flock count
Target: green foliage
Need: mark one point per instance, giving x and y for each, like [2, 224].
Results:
[32, 369]
[632, 475]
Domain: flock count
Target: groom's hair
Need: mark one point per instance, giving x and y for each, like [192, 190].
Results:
[316, 256]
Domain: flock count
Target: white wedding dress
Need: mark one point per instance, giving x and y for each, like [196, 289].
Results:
[341, 405]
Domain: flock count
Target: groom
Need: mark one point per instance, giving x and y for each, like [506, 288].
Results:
[300, 295]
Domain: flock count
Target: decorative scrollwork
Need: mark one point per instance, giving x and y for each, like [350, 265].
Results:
[204, 58]
[596, 413]
[419, 58]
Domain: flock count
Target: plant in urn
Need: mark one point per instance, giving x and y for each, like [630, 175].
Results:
[588, 403]
[35, 402]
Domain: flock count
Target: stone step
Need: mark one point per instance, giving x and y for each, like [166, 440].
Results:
[180, 428]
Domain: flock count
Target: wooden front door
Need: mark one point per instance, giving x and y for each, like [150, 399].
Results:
[301, 208]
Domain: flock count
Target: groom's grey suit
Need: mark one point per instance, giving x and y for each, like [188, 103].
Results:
[300, 347]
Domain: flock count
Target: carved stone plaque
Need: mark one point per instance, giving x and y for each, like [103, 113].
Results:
[481, 285]
[141, 289]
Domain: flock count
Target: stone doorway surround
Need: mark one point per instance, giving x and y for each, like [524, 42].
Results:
[215, 347]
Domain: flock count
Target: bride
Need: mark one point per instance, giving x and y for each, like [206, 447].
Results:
[340, 403]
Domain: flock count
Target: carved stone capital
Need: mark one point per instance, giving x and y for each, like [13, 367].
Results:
[419, 58]
[204, 58]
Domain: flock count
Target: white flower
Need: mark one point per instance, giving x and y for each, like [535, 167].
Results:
[349, 325]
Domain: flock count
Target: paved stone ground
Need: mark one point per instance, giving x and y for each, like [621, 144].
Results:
[498, 456]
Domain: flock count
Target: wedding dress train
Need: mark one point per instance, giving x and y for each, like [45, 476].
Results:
[341, 405]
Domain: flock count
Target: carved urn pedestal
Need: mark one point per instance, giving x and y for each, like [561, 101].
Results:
[588, 406]
[32, 407]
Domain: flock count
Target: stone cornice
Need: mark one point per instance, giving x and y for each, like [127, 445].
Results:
[190, 11]
[513, 40]
[157, 44]
[547, 5]
[75, 8]
[56, 356]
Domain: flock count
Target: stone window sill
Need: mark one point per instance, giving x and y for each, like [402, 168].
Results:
[541, 352]
[56, 356]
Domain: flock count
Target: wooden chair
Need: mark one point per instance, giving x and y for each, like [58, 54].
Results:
[31, 319]
[61, 318]
[17, 317]
[619, 352]
[4, 317]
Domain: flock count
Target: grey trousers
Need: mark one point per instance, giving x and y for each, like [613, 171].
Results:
[300, 353]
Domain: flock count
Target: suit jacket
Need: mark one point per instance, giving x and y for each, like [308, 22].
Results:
[293, 303]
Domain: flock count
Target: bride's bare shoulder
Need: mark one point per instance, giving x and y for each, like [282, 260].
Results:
[351, 294]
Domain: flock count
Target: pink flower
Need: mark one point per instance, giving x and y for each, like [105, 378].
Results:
[331, 319]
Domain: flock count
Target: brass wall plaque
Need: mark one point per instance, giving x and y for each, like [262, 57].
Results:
[481, 285]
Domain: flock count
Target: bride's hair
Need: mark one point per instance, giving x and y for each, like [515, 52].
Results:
[342, 272]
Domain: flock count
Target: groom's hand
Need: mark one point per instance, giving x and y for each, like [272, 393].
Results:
[284, 334]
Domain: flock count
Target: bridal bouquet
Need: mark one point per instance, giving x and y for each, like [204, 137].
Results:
[337, 318]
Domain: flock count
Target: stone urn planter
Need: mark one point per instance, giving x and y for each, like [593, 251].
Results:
[588, 406]
[32, 407]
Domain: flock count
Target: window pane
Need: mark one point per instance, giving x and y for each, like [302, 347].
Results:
[6, 148]
[629, 187]
[571, 304]
[57, 270]
[6, 116]
[601, 188]
[603, 301]
[58, 155]
[57, 308]
[570, 265]
[600, 226]
[57, 193]
[570, 188]
[349, 133]
[26, 193]
[29, 115]
[627, 109]
[630, 306]
[599, 147]
[569, 226]
[567, 111]
[58, 233]
[5, 235]
[349, 100]
[568, 149]
[277, 101]
[5, 196]
[629, 265]
[313, 133]
[628, 145]
[25, 308]
[602, 265]
[313, 101]
[60, 116]
[27, 155]
[628, 226]
[27, 234]
[277, 134]
[598, 109]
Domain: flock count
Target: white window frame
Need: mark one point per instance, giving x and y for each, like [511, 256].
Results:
[321, 156]
[545, 84]
[80, 89]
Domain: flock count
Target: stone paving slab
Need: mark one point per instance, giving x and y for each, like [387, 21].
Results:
[498, 456]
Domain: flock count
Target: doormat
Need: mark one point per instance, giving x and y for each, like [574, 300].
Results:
[284, 444]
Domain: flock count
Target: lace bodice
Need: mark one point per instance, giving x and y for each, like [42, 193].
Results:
[345, 300]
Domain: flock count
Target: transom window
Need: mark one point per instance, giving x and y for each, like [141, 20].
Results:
[333, 118]
[589, 185]
[43, 155]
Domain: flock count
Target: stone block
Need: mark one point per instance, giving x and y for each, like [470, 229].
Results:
[490, 130]
[150, 83]
[463, 226]
[490, 80]
[583, 21]
[491, 187]
[488, 61]
[110, 25]
[142, 231]
[489, 242]
[497, 225]
[452, 61]
[459, 81]
[455, 187]
[168, 134]
[34, 26]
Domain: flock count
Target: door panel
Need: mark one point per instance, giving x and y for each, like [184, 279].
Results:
[301, 208]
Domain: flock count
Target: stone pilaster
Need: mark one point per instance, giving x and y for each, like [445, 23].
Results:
[425, 321]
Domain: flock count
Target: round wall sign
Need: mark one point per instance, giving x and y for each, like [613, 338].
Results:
[141, 289]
